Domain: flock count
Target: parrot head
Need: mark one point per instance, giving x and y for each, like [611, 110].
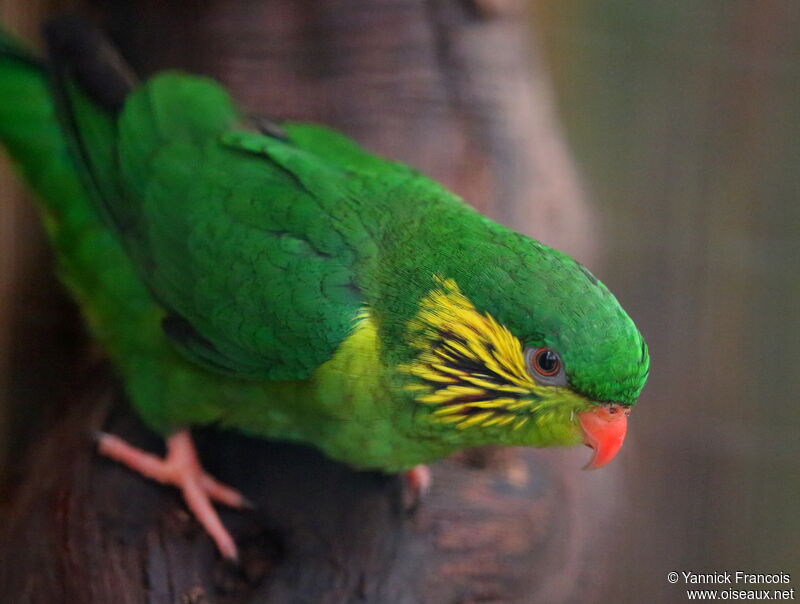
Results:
[535, 354]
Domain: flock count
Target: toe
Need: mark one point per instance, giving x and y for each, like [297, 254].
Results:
[140, 461]
[418, 483]
[199, 503]
[224, 494]
[419, 480]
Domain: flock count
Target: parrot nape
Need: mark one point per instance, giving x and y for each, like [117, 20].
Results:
[277, 279]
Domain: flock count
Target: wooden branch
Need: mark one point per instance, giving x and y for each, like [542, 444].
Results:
[88, 530]
[448, 87]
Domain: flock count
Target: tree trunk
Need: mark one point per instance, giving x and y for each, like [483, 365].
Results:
[449, 87]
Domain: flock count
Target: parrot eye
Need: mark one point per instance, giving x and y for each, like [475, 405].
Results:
[545, 365]
[546, 362]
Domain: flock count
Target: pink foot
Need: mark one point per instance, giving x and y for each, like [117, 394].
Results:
[181, 468]
[418, 483]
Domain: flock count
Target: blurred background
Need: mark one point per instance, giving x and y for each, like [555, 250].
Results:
[684, 120]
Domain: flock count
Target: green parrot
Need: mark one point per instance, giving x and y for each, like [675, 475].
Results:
[278, 279]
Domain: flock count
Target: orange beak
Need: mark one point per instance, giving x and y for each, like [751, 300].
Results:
[604, 430]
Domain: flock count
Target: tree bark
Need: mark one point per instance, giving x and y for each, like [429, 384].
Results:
[451, 88]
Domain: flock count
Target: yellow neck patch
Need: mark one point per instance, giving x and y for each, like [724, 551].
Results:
[471, 368]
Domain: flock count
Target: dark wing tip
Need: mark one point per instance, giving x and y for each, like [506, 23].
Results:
[78, 50]
[269, 127]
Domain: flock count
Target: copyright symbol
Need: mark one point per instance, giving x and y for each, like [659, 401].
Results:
[672, 577]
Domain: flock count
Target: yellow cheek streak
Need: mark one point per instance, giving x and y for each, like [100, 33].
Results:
[444, 355]
[460, 349]
[442, 379]
[479, 381]
[436, 398]
[513, 389]
[450, 409]
[521, 423]
[454, 372]
[474, 420]
[498, 403]
[519, 404]
[464, 391]
[496, 420]
[472, 369]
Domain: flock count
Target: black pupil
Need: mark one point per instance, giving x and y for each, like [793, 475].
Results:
[547, 361]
